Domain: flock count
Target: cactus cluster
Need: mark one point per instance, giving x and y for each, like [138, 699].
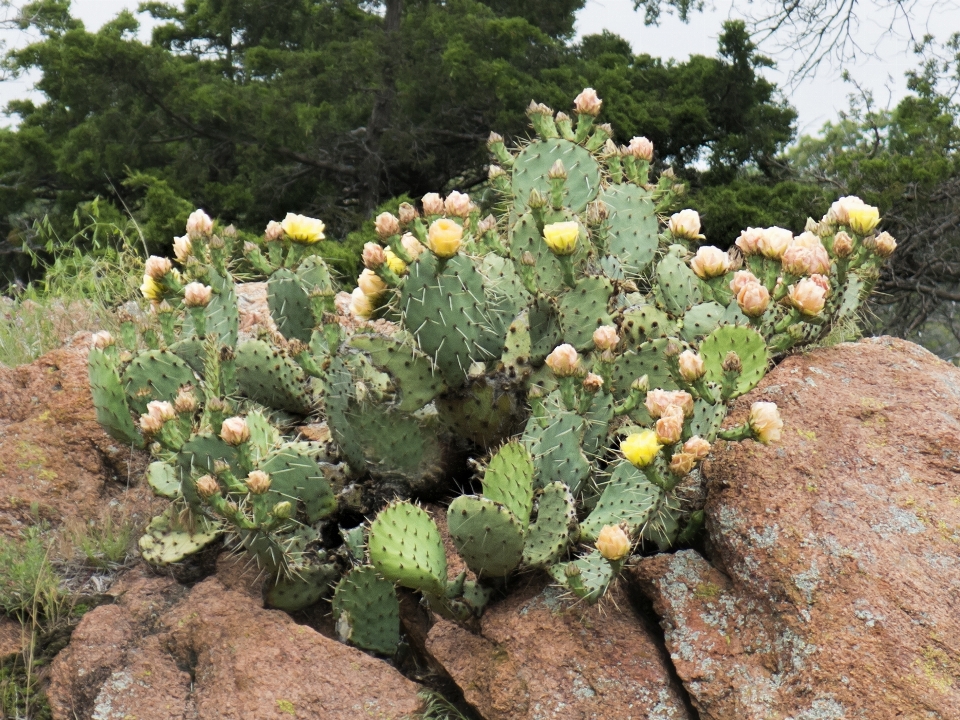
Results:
[578, 343]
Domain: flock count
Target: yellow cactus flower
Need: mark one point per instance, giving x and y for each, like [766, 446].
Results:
[641, 448]
[445, 238]
[863, 218]
[562, 237]
[398, 266]
[151, 289]
[303, 229]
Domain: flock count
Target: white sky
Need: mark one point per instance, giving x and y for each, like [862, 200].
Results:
[817, 99]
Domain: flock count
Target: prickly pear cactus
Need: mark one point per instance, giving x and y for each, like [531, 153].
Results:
[580, 344]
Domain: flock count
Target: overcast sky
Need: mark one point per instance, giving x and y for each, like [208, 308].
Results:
[817, 99]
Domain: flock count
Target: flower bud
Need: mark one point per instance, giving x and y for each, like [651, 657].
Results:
[749, 241]
[528, 259]
[641, 384]
[162, 410]
[613, 543]
[258, 482]
[753, 299]
[407, 213]
[731, 363]
[371, 284]
[807, 297]
[458, 204]
[741, 279]
[494, 139]
[234, 431]
[207, 486]
[685, 224]
[765, 422]
[185, 403]
[682, 463]
[562, 237]
[605, 337]
[697, 446]
[774, 241]
[587, 102]
[710, 262]
[432, 204]
[411, 245]
[445, 238]
[387, 225]
[669, 427]
[824, 282]
[361, 306]
[596, 212]
[691, 366]
[182, 248]
[157, 267]
[884, 244]
[486, 225]
[536, 199]
[592, 383]
[103, 340]
[495, 171]
[283, 510]
[273, 232]
[806, 255]
[557, 171]
[199, 225]
[196, 295]
[150, 424]
[572, 570]
[373, 256]
[640, 448]
[658, 401]
[302, 229]
[842, 244]
[640, 148]
[563, 361]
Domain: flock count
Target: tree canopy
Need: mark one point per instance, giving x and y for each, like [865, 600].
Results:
[253, 108]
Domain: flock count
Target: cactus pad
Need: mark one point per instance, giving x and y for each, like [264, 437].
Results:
[298, 477]
[594, 577]
[508, 480]
[303, 589]
[531, 166]
[701, 320]
[488, 536]
[648, 359]
[749, 346]
[367, 611]
[628, 497]
[446, 311]
[411, 370]
[268, 377]
[583, 309]
[169, 540]
[548, 538]
[641, 323]
[155, 375]
[631, 227]
[109, 399]
[405, 547]
[677, 284]
[162, 479]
